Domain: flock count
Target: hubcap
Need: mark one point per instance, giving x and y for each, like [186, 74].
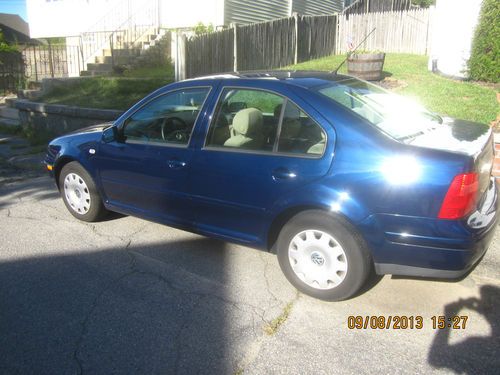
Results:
[317, 259]
[77, 193]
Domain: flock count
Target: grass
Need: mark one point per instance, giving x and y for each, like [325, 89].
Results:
[9, 129]
[110, 92]
[460, 99]
[161, 72]
[104, 92]
[272, 327]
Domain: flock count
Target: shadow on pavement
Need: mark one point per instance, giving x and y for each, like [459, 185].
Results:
[160, 308]
[477, 354]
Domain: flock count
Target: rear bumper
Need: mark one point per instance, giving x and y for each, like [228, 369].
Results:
[425, 247]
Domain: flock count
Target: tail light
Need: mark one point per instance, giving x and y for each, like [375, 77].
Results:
[461, 196]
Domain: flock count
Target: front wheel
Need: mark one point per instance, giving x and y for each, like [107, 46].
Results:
[323, 256]
[80, 194]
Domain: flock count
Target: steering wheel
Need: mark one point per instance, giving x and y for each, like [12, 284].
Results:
[174, 129]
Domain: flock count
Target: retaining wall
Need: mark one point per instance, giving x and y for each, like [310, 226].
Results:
[57, 119]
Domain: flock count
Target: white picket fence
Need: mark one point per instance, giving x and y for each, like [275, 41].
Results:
[406, 31]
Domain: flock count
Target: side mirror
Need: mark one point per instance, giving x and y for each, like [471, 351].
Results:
[110, 134]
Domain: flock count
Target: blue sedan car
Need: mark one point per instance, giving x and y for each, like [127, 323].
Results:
[335, 175]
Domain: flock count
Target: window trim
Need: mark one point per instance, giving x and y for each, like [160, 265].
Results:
[275, 145]
[167, 144]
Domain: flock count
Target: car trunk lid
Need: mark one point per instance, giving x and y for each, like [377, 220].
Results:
[473, 139]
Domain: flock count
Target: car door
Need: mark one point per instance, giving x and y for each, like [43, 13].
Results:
[260, 146]
[145, 171]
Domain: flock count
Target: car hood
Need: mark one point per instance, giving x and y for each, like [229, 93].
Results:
[454, 135]
[92, 128]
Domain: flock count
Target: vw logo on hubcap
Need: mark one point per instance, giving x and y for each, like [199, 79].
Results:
[317, 259]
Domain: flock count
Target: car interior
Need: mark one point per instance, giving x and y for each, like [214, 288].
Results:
[169, 118]
[240, 125]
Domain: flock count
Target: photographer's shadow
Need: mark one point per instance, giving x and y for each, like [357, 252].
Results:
[476, 354]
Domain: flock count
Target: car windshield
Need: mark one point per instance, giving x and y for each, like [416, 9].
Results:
[397, 116]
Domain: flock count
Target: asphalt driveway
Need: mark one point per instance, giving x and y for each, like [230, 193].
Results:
[128, 296]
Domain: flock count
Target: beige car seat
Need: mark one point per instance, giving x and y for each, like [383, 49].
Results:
[247, 129]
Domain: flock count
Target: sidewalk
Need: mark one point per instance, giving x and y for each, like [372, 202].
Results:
[19, 159]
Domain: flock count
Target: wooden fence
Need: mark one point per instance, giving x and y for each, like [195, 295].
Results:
[209, 53]
[265, 45]
[369, 6]
[317, 37]
[287, 41]
[406, 32]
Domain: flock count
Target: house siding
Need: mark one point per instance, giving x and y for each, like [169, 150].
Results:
[317, 7]
[249, 11]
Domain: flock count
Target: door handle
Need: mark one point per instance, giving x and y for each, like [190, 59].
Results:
[176, 164]
[283, 174]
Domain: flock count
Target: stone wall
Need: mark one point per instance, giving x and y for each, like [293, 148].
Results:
[56, 119]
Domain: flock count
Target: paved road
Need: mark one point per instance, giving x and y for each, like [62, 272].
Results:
[128, 296]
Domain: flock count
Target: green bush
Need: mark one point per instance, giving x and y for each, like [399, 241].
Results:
[423, 3]
[484, 63]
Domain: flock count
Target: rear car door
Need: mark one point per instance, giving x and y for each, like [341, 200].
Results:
[146, 170]
[259, 146]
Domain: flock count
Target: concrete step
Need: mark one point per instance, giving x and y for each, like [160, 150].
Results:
[9, 122]
[93, 73]
[100, 67]
[122, 52]
[118, 60]
[9, 113]
[103, 60]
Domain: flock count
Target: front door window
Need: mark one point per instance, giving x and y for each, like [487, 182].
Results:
[167, 119]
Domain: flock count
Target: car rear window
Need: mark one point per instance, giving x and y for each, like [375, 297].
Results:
[397, 116]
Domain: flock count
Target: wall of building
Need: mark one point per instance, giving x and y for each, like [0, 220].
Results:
[452, 32]
[317, 7]
[187, 13]
[250, 11]
[56, 18]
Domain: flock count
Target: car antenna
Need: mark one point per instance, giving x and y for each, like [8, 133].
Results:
[351, 52]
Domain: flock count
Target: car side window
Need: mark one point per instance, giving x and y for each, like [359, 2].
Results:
[299, 134]
[169, 118]
[245, 119]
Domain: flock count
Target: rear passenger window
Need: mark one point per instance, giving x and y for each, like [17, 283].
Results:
[249, 119]
[246, 119]
[299, 134]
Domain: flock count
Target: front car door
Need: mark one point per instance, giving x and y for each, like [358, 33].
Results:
[145, 171]
[259, 147]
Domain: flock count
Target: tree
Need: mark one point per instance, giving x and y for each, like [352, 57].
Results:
[4, 46]
[484, 63]
[200, 28]
[423, 3]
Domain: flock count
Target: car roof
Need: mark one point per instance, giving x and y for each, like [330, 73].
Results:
[303, 78]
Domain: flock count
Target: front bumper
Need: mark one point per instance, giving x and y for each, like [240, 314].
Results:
[425, 247]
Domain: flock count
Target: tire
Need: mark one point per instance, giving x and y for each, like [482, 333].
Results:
[323, 256]
[80, 194]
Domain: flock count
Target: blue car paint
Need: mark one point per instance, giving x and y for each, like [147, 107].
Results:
[233, 196]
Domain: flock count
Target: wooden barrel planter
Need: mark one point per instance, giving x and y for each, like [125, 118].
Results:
[367, 66]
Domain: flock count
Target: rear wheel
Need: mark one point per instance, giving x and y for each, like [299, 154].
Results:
[80, 194]
[323, 256]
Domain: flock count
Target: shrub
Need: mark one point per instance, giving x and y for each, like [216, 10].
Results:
[484, 63]
[423, 3]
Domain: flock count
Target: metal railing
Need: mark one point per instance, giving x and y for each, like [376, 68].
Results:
[51, 61]
[135, 31]
[123, 26]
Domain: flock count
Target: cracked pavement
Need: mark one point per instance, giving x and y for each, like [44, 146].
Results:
[129, 296]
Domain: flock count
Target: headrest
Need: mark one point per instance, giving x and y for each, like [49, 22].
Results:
[292, 112]
[248, 121]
